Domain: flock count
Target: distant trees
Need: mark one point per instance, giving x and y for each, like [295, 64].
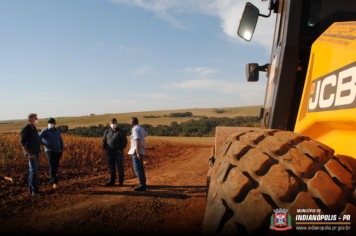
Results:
[6, 123]
[218, 111]
[151, 116]
[203, 127]
[180, 114]
[62, 128]
[176, 114]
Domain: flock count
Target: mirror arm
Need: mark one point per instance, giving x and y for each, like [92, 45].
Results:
[260, 68]
[265, 16]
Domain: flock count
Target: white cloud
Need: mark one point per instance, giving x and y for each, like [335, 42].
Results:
[228, 11]
[145, 71]
[35, 101]
[220, 85]
[98, 45]
[48, 94]
[252, 97]
[155, 95]
[133, 50]
[160, 7]
[107, 101]
[200, 70]
[217, 60]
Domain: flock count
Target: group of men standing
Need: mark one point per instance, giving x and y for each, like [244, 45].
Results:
[114, 143]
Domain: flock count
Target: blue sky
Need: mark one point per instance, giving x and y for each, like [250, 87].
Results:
[76, 57]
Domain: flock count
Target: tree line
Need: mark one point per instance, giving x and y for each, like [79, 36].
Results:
[204, 127]
[177, 114]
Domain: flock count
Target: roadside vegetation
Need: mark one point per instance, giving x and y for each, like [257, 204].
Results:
[204, 127]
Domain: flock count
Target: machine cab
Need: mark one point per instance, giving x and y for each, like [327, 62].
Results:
[298, 25]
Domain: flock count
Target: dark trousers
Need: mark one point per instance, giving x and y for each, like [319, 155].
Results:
[33, 173]
[53, 163]
[118, 158]
[139, 169]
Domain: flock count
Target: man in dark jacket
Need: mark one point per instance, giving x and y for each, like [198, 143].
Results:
[30, 142]
[114, 143]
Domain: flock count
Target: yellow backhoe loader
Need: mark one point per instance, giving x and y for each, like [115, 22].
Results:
[296, 172]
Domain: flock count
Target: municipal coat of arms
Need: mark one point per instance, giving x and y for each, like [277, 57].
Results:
[281, 220]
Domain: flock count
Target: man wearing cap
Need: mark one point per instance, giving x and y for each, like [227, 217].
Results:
[114, 143]
[52, 137]
[30, 143]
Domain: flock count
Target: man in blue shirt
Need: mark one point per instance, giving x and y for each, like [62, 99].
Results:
[31, 142]
[52, 137]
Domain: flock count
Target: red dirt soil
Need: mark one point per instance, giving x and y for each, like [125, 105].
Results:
[174, 202]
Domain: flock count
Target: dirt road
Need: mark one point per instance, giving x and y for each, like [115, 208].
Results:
[174, 202]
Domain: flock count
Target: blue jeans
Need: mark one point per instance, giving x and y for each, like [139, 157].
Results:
[53, 163]
[114, 156]
[139, 169]
[33, 173]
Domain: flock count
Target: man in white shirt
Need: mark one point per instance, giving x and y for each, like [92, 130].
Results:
[137, 151]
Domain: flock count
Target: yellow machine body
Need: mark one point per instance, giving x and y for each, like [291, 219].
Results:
[327, 110]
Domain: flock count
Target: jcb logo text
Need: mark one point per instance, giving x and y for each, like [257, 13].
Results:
[334, 91]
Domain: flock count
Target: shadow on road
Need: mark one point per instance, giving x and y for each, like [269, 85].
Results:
[170, 186]
[147, 194]
[162, 191]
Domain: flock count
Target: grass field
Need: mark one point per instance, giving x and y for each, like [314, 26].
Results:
[86, 121]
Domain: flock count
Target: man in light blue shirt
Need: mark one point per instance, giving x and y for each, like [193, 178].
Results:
[52, 137]
[137, 150]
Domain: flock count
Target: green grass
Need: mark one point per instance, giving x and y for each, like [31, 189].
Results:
[86, 121]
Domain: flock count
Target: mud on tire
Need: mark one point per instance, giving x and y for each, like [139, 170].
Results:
[258, 171]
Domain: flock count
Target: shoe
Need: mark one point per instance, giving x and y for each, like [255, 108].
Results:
[55, 186]
[121, 184]
[30, 190]
[140, 188]
[37, 193]
[109, 184]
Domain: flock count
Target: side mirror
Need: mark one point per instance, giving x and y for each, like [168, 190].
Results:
[253, 70]
[248, 22]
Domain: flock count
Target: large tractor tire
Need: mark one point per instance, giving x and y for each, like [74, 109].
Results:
[256, 172]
